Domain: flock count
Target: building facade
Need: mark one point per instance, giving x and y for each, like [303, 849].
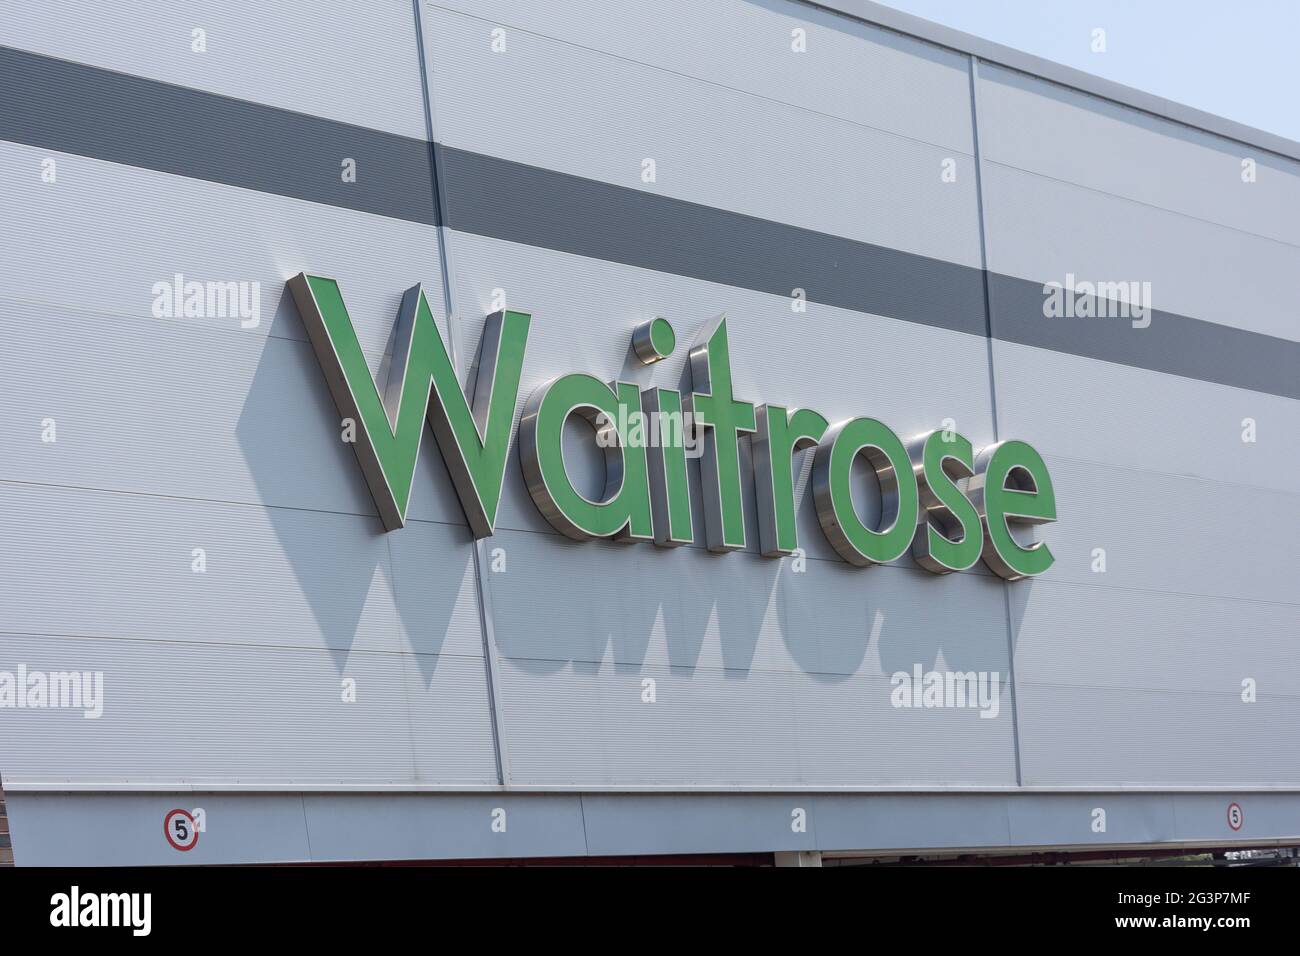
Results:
[247, 656]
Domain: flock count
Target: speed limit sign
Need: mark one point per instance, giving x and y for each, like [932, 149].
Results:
[180, 830]
[1235, 818]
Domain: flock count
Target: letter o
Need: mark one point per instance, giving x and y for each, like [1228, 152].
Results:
[833, 494]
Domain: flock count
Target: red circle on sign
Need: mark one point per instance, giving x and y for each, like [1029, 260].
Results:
[167, 830]
[1239, 815]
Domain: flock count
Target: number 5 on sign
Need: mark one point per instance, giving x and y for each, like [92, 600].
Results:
[180, 829]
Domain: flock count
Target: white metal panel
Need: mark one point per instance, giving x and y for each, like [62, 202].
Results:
[1184, 644]
[101, 237]
[177, 712]
[125, 829]
[1101, 737]
[357, 64]
[639, 605]
[764, 676]
[163, 407]
[721, 728]
[1171, 533]
[443, 826]
[1044, 128]
[562, 107]
[435, 591]
[851, 69]
[81, 829]
[1041, 229]
[113, 565]
[1082, 408]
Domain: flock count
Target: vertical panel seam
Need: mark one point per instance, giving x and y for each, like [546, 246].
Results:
[486, 626]
[306, 827]
[993, 396]
[397, 643]
[582, 815]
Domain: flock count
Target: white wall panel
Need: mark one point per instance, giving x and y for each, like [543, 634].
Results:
[103, 235]
[334, 59]
[851, 69]
[111, 565]
[190, 713]
[1041, 229]
[1082, 636]
[764, 676]
[162, 407]
[1169, 533]
[1096, 411]
[1038, 126]
[561, 107]
[638, 605]
[1133, 677]
[709, 727]
[1103, 737]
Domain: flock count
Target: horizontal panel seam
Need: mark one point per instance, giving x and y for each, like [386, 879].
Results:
[841, 677]
[1130, 688]
[1143, 203]
[763, 97]
[250, 645]
[1218, 596]
[1152, 472]
[224, 502]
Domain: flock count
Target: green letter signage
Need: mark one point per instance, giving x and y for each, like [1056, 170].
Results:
[780, 434]
[1012, 486]
[947, 505]
[670, 492]
[624, 509]
[949, 537]
[724, 418]
[421, 382]
[832, 467]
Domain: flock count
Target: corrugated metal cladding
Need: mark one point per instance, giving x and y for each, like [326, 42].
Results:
[823, 170]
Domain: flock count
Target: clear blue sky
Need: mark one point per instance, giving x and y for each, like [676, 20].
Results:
[1237, 58]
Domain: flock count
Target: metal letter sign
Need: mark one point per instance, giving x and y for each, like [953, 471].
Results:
[939, 500]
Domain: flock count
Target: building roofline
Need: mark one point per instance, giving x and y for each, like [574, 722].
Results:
[936, 33]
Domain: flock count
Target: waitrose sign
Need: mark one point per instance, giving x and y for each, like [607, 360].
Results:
[947, 505]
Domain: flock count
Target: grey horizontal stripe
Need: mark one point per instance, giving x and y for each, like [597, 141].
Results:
[80, 109]
[74, 108]
[538, 207]
[1172, 343]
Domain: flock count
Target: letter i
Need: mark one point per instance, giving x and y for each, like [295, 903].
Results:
[670, 498]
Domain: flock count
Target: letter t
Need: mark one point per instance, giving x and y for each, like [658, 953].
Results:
[723, 418]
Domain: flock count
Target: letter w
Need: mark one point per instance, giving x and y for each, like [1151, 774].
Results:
[421, 382]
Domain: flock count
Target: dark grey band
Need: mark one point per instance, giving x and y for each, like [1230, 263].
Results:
[538, 207]
[74, 108]
[494, 197]
[1177, 344]
[85, 110]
